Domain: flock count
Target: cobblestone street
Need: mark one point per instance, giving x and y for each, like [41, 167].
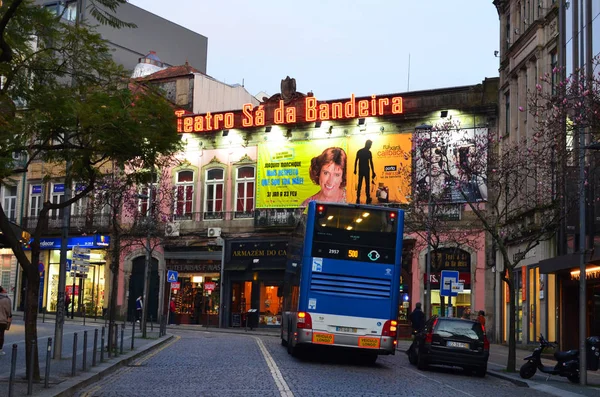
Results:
[220, 364]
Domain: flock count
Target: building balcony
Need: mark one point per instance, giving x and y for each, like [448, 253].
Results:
[88, 224]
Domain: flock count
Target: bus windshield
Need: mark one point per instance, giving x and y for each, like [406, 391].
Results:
[357, 234]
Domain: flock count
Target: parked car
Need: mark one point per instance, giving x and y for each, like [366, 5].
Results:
[451, 341]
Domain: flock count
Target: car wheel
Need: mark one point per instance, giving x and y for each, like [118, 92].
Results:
[480, 371]
[527, 370]
[412, 356]
[421, 362]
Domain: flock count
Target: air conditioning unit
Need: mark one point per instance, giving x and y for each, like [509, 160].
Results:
[172, 229]
[214, 232]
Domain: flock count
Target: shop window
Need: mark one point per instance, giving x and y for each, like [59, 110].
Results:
[9, 202]
[270, 305]
[5, 271]
[213, 200]
[35, 200]
[184, 192]
[194, 302]
[244, 192]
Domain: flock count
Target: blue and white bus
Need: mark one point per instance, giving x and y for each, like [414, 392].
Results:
[342, 279]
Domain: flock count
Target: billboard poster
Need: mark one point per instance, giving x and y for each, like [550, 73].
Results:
[290, 174]
[379, 168]
[447, 165]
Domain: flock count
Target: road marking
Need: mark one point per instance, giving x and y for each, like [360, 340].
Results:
[116, 375]
[446, 386]
[281, 384]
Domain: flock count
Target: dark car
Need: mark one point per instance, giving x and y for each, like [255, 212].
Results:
[451, 341]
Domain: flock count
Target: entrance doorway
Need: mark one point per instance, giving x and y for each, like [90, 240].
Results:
[136, 288]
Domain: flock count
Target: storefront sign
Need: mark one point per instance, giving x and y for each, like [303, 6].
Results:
[209, 286]
[451, 259]
[70, 290]
[194, 267]
[248, 251]
[309, 110]
[53, 243]
[175, 285]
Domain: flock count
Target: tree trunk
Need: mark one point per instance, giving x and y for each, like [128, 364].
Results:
[31, 311]
[114, 267]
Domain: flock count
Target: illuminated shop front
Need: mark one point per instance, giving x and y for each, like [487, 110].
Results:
[88, 292]
[197, 290]
[253, 279]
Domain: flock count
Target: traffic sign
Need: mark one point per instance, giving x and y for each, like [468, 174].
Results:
[81, 256]
[172, 276]
[449, 278]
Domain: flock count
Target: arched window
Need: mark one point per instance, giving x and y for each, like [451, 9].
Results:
[213, 198]
[184, 195]
[244, 192]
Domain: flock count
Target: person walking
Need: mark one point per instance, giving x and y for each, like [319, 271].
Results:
[417, 319]
[5, 316]
[139, 306]
[172, 309]
[481, 318]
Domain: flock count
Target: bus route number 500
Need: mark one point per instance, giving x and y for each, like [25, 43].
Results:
[352, 253]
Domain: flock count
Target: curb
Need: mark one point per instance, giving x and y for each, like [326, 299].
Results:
[509, 378]
[70, 386]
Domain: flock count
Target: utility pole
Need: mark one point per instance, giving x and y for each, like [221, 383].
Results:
[420, 129]
[148, 264]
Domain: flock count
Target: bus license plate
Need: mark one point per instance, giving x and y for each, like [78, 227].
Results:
[457, 344]
[346, 329]
[326, 339]
[372, 343]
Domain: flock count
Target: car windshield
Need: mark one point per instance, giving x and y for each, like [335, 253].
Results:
[464, 329]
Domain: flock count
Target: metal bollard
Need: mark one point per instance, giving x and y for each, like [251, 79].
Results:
[13, 370]
[95, 347]
[84, 366]
[74, 358]
[132, 334]
[84, 314]
[122, 336]
[30, 374]
[102, 346]
[47, 373]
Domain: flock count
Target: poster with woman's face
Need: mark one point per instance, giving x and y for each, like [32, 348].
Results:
[284, 177]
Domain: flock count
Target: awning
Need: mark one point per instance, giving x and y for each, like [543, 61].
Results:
[566, 262]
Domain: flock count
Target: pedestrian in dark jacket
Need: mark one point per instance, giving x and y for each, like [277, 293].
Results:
[417, 318]
[5, 316]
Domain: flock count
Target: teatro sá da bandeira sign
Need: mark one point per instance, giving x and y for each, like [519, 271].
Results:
[305, 110]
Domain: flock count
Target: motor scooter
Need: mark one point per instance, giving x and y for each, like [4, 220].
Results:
[567, 363]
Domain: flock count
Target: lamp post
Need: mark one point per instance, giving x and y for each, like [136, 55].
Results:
[422, 129]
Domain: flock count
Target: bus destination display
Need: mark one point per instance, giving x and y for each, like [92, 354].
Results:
[354, 253]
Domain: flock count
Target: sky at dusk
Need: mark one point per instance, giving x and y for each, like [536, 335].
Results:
[334, 48]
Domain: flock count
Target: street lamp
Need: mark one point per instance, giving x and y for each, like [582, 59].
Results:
[582, 265]
[421, 129]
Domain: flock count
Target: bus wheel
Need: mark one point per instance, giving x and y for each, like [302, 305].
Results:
[290, 344]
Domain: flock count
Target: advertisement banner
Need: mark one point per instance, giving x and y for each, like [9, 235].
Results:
[447, 166]
[391, 167]
[284, 177]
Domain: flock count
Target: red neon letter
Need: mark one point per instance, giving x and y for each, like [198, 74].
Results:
[310, 108]
[397, 105]
[278, 115]
[229, 120]
[290, 115]
[350, 108]
[363, 108]
[260, 116]
[247, 119]
[373, 105]
[188, 124]
[383, 102]
[217, 117]
[324, 111]
[198, 123]
[336, 110]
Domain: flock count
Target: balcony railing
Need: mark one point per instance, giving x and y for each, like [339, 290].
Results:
[94, 223]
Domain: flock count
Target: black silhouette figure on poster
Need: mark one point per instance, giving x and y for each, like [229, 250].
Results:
[364, 159]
